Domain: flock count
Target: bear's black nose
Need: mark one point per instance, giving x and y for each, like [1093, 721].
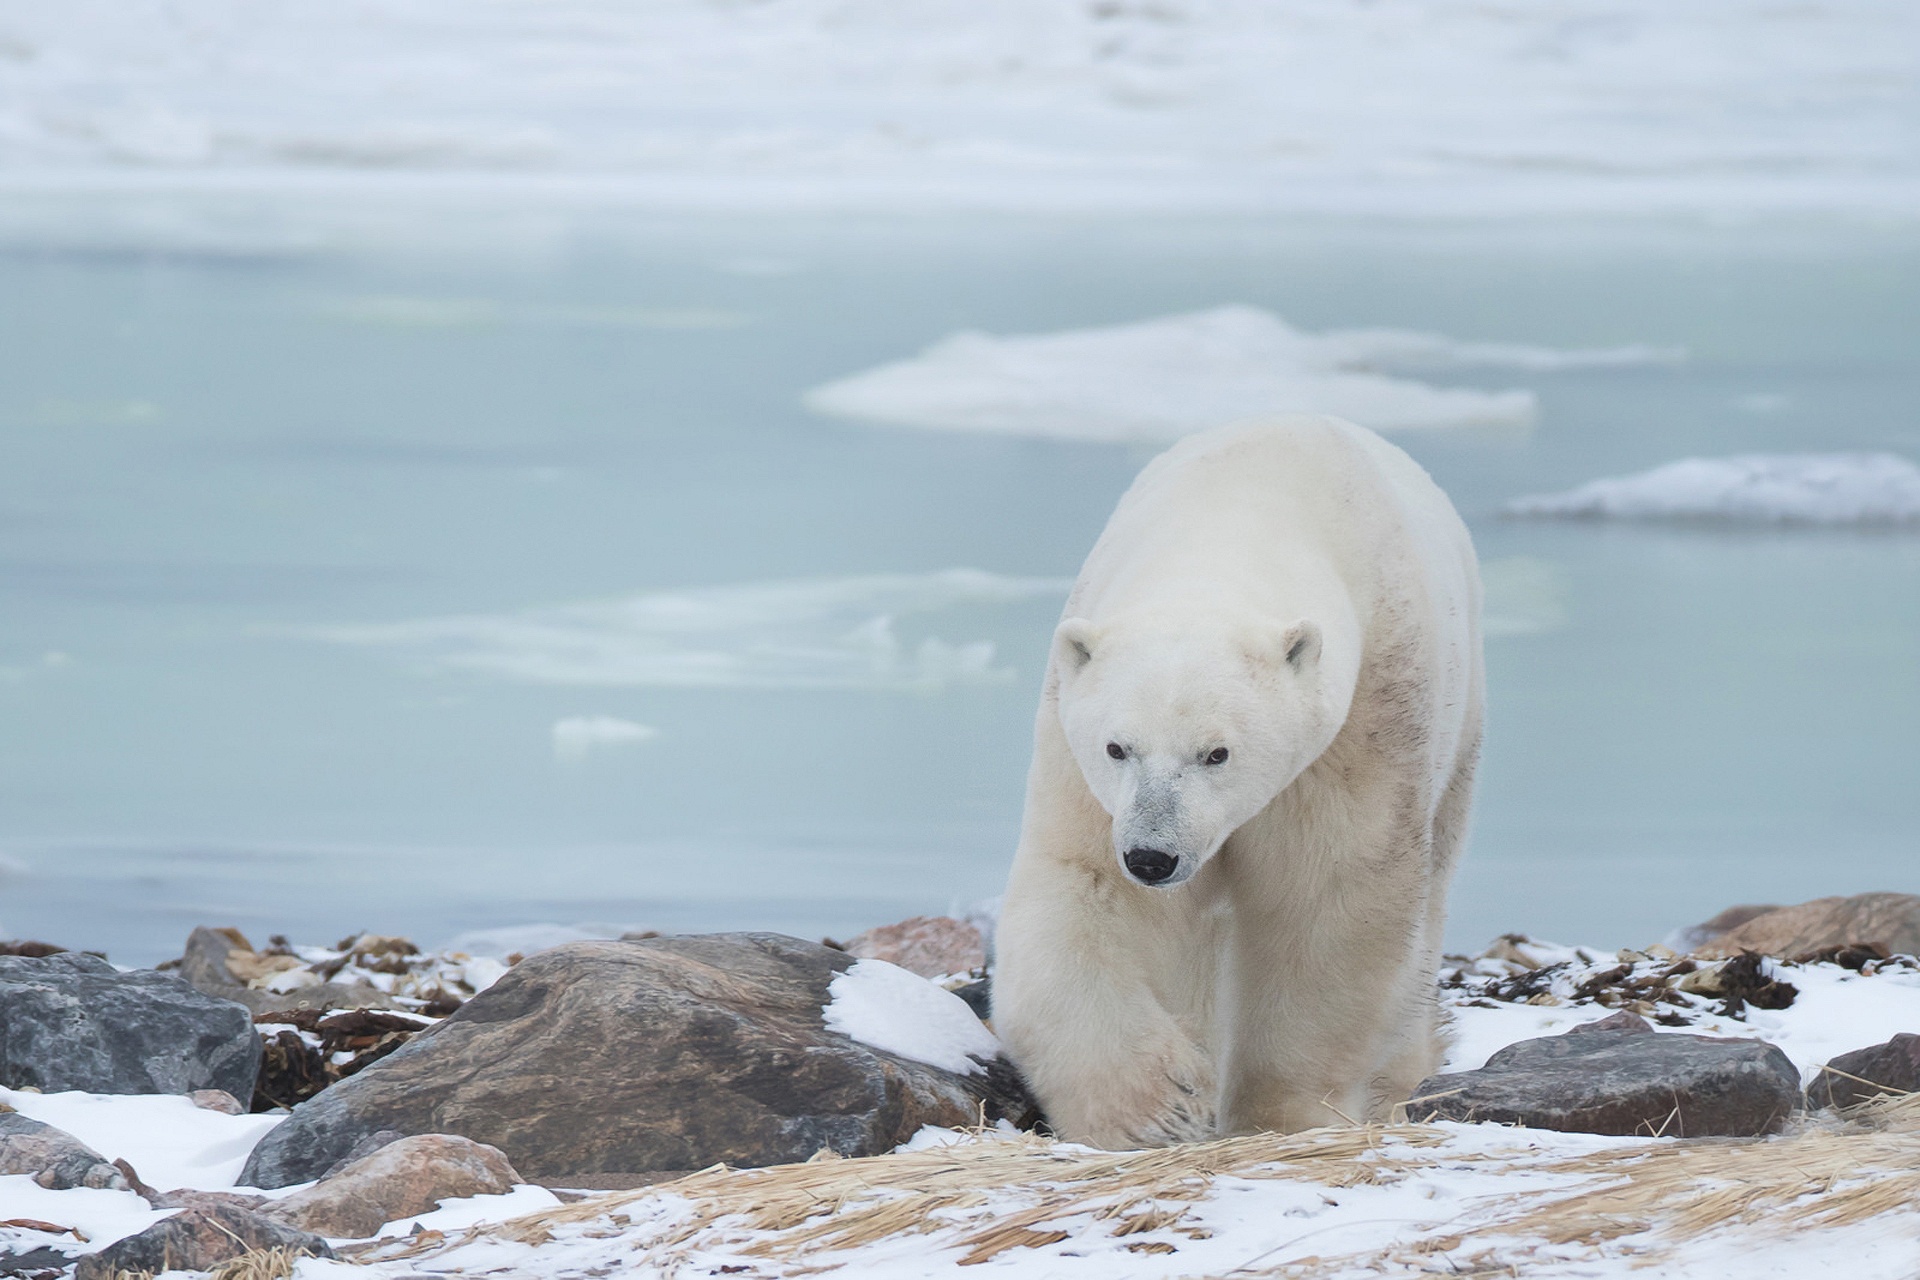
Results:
[1149, 866]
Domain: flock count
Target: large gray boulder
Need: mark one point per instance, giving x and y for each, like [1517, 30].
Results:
[1618, 1077]
[73, 1021]
[633, 1056]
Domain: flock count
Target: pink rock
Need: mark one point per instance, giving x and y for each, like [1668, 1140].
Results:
[217, 1100]
[404, 1178]
[931, 946]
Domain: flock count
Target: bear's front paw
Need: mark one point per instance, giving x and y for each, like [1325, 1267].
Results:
[1173, 1101]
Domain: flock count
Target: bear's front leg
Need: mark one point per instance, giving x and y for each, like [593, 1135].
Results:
[1077, 999]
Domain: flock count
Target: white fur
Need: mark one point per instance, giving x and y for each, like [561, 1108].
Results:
[1300, 593]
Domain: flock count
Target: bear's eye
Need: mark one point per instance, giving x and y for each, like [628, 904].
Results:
[1117, 751]
[1217, 756]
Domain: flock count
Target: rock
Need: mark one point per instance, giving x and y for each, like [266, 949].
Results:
[187, 1198]
[221, 962]
[1887, 920]
[979, 998]
[931, 946]
[53, 1158]
[627, 1057]
[1618, 1079]
[72, 1021]
[399, 1180]
[197, 1239]
[217, 1100]
[1695, 936]
[1851, 1078]
[364, 1148]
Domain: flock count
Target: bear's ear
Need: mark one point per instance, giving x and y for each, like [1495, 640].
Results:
[1073, 644]
[1295, 648]
[1300, 644]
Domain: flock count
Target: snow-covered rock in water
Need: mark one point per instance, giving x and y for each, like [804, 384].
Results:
[73, 1022]
[631, 1056]
[1157, 380]
[931, 946]
[1617, 1077]
[1784, 488]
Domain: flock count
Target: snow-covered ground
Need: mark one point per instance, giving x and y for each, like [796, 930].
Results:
[1331, 1202]
[1402, 106]
[1791, 488]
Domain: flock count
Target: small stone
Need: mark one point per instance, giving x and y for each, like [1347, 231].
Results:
[1622, 1080]
[217, 1100]
[1881, 1069]
[197, 1239]
[399, 1180]
[73, 1021]
[931, 946]
[53, 1158]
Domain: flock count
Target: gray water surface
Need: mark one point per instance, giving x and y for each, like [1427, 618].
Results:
[217, 454]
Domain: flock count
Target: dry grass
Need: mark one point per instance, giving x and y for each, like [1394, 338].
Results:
[260, 1264]
[1003, 1192]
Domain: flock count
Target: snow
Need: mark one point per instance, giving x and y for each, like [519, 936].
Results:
[1785, 488]
[1419, 107]
[809, 633]
[170, 1142]
[1156, 380]
[887, 1008]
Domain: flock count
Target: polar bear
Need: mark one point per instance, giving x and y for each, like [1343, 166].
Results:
[1252, 770]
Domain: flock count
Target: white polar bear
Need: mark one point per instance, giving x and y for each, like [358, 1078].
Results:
[1251, 774]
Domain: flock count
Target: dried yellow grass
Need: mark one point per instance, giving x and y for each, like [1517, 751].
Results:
[1004, 1192]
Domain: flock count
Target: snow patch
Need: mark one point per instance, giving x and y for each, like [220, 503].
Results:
[168, 1140]
[1763, 488]
[1157, 380]
[887, 1008]
[825, 633]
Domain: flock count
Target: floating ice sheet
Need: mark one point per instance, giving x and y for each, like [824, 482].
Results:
[1161, 379]
[1784, 488]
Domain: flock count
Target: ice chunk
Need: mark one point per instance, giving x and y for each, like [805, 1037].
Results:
[1785, 488]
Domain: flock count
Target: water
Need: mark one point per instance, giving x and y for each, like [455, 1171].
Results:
[235, 436]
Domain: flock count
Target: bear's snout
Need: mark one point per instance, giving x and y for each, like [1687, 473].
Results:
[1149, 866]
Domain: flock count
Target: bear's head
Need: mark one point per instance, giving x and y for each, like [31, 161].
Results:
[1185, 732]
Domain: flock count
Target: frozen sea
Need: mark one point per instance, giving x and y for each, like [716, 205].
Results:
[445, 565]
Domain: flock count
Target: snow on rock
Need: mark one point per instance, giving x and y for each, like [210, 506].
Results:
[170, 1142]
[1785, 488]
[1160, 379]
[887, 1008]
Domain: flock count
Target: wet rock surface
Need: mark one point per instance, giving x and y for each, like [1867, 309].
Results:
[53, 1158]
[398, 1180]
[72, 1021]
[197, 1239]
[1873, 1072]
[627, 1057]
[1617, 1077]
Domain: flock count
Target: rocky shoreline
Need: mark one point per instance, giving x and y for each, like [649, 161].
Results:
[391, 1079]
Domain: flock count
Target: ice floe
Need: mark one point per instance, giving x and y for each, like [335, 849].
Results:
[1159, 379]
[1784, 488]
[814, 633]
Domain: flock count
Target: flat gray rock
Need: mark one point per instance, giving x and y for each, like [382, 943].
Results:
[1622, 1079]
[73, 1021]
[631, 1056]
[53, 1158]
[1853, 1078]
